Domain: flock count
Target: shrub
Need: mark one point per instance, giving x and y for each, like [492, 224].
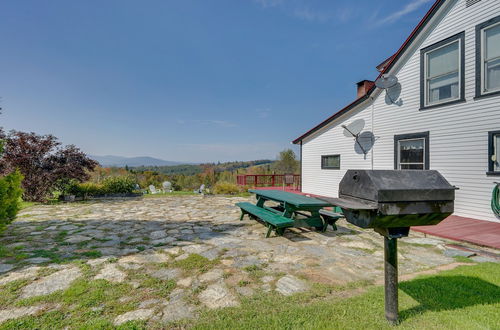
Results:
[10, 197]
[226, 188]
[118, 185]
[44, 163]
[86, 190]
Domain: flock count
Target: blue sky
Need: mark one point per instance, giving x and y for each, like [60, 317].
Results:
[190, 80]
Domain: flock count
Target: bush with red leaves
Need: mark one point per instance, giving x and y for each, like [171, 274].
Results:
[43, 161]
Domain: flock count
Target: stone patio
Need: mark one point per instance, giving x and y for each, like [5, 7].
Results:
[124, 241]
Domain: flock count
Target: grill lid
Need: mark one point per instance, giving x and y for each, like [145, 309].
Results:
[396, 186]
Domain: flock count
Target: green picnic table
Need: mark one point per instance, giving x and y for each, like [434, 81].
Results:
[293, 210]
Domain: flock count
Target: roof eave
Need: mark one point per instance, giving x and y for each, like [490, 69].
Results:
[430, 13]
[335, 116]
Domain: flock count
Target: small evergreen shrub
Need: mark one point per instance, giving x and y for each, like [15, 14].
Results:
[88, 189]
[10, 197]
[118, 185]
[226, 188]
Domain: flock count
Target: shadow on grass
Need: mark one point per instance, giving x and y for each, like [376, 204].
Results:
[441, 293]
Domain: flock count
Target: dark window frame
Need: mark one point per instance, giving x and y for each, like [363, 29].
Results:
[330, 167]
[461, 39]
[491, 165]
[410, 136]
[479, 59]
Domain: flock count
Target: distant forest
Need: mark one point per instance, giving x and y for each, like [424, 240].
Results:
[197, 169]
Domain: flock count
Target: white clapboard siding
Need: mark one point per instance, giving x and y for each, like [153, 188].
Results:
[458, 133]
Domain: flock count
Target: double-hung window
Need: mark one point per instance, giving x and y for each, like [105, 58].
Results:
[488, 57]
[411, 151]
[442, 72]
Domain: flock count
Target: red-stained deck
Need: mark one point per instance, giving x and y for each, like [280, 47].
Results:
[457, 228]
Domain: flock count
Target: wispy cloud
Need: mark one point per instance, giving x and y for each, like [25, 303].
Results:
[308, 14]
[410, 7]
[270, 3]
[303, 10]
[263, 113]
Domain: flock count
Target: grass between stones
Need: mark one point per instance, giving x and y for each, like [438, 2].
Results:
[195, 262]
[467, 297]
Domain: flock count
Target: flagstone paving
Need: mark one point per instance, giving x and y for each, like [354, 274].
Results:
[168, 258]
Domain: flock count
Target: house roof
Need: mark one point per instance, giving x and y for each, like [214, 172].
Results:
[384, 67]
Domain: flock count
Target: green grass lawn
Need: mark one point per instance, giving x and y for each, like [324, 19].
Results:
[467, 297]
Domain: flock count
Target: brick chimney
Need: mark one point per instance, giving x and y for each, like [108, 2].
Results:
[363, 87]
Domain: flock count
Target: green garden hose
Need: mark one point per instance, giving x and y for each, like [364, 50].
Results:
[495, 200]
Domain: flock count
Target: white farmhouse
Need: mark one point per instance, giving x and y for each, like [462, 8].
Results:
[444, 113]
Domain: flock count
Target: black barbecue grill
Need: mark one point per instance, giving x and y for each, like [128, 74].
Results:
[391, 201]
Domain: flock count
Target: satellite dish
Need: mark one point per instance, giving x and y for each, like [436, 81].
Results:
[386, 81]
[354, 128]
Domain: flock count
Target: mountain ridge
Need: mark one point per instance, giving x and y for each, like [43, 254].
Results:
[120, 161]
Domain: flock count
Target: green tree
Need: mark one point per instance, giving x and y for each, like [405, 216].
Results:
[287, 162]
[10, 194]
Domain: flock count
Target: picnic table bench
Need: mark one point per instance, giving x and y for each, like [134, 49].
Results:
[293, 210]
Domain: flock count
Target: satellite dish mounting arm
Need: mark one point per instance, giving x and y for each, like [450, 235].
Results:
[355, 138]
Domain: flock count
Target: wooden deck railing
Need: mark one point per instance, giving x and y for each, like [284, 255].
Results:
[269, 180]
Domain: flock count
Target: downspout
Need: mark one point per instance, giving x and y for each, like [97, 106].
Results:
[300, 165]
[373, 128]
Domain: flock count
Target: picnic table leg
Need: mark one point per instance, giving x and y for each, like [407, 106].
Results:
[269, 231]
[280, 231]
[242, 215]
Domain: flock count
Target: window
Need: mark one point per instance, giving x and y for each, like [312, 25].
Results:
[330, 162]
[488, 58]
[411, 151]
[442, 72]
[494, 153]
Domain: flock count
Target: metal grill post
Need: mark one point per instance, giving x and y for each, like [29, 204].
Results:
[391, 279]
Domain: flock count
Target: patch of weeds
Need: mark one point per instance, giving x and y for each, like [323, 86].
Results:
[161, 287]
[39, 228]
[61, 235]
[21, 256]
[91, 254]
[463, 259]
[255, 271]
[82, 244]
[48, 320]
[243, 283]
[133, 325]
[10, 292]
[46, 271]
[140, 248]
[83, 294]
[54, 257]
[199, 289]
[113, 260]
[196, 262]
